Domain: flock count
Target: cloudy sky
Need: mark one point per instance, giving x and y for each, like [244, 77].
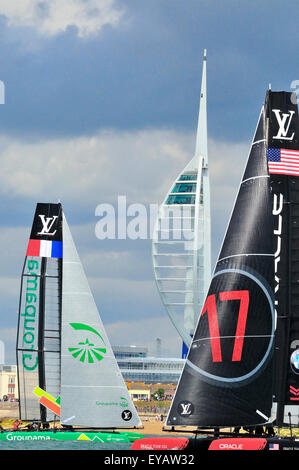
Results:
[101, 101]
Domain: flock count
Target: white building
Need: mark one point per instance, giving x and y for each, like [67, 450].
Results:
[8, 382]
[136, 366]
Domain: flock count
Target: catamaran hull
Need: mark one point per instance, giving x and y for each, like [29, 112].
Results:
[210, 443]
[17, 436]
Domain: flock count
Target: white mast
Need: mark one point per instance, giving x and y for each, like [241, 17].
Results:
[182, 236]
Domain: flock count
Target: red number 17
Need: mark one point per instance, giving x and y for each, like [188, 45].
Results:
[210, 308]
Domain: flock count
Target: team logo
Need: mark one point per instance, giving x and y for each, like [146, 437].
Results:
[126, 415]
[277, 212]
[284, 121]
[185, 408]
[294, 393]
[90, 349]
[231, 328]
[295, 361]
[47, 224]
[123, 402]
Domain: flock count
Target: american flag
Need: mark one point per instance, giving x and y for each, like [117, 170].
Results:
[283, 161]
[273, 446]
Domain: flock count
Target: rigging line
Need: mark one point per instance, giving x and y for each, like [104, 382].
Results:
[246, 254]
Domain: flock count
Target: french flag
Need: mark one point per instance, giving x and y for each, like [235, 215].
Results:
[44, 248]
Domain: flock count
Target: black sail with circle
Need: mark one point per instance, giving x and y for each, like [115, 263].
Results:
[228, 376]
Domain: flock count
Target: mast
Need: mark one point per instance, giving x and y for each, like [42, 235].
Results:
[41, 336]
[283, 162]
[181, 249]
[38, 337]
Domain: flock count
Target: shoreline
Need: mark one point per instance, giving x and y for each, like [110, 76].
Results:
[151, 423]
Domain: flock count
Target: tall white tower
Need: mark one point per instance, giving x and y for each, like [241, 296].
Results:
[181, 248]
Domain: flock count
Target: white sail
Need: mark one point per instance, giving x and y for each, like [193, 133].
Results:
[93, 392]
[181, 248]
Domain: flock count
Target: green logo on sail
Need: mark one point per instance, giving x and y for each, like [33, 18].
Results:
[123, 402]
[29, 317]
[86, 350]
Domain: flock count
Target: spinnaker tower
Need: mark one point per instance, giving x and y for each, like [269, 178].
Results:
[181, 247]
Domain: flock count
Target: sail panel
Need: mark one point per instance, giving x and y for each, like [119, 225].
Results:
[246, 233]
[88, 366]
[227, 379]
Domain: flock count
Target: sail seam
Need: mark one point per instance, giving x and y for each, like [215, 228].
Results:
[246, 254]
[77, 293]
[255, 177]
[258, 141]
[232, 336]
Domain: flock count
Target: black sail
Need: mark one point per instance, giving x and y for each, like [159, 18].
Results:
[283, 161]
[38, 337]
[228, 376]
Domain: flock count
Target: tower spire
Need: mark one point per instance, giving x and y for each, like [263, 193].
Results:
[201, 148]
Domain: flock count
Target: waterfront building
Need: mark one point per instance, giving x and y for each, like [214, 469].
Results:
[139, 391]
[137, 366]
[8, 382]
[146, 392]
